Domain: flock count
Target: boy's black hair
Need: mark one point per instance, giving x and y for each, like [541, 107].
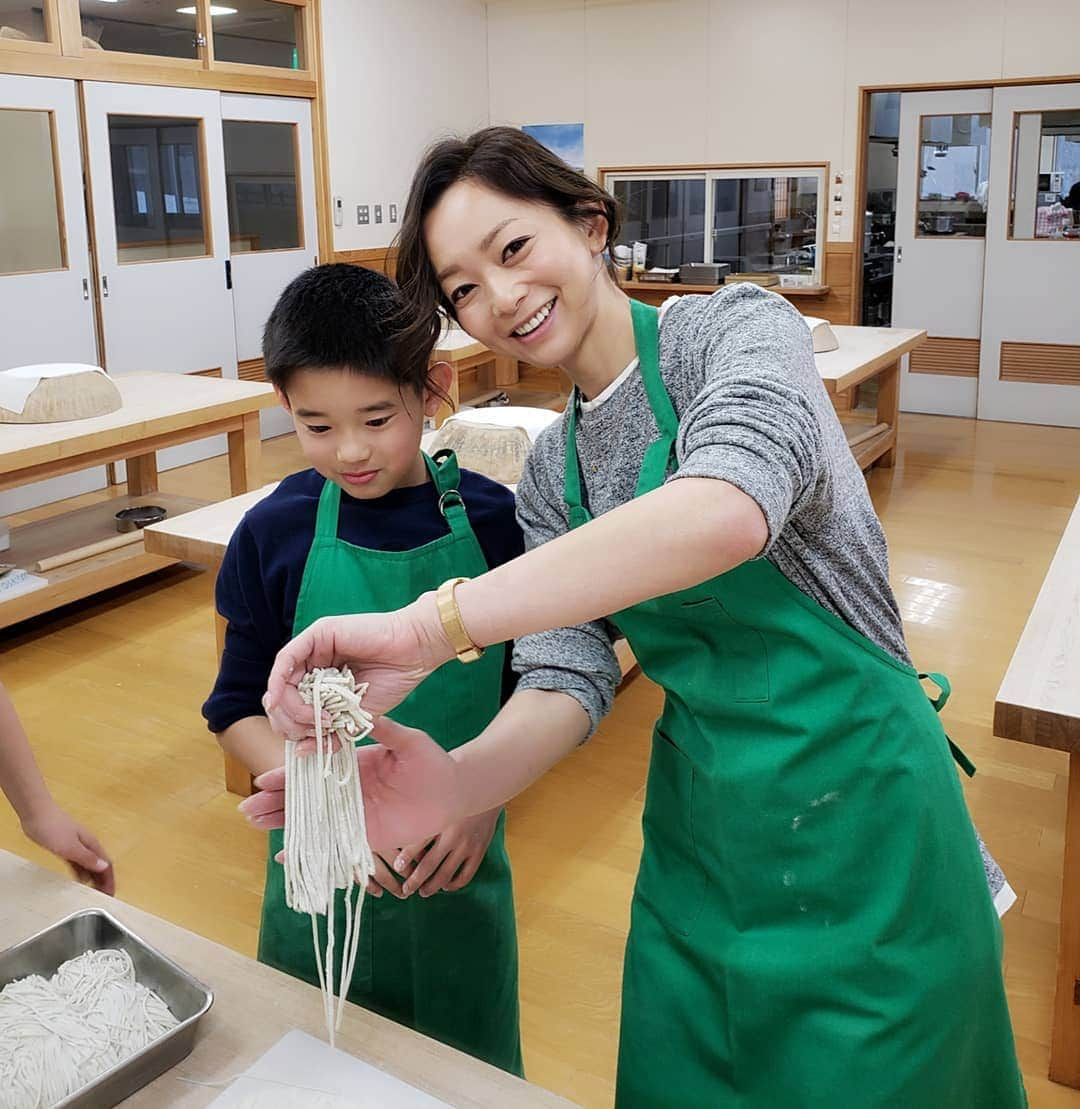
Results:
[341, 316]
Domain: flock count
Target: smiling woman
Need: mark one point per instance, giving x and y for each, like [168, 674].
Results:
[552, 193]
[812, 919]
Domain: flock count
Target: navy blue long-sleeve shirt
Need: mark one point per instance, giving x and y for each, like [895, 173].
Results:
[259, 580]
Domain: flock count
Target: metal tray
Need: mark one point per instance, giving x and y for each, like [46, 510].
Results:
[186, 997]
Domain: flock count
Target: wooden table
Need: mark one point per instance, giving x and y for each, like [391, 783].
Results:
[866, 353]
[1039, 703]
[463, 352]
[159, 410]
[254, 1006]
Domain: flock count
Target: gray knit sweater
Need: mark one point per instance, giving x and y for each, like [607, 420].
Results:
[739, 368]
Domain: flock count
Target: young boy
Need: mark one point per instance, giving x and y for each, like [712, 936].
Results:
[41, 817]
[369, 527]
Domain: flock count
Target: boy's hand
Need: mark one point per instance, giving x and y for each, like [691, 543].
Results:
[54, 830]
[384, 879]
[450, 860]
[410, 786]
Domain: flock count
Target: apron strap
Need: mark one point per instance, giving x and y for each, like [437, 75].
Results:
[961, 760]
[660, 455]
[326, 520]
[943, 684]
[578, 513]
[447, 478]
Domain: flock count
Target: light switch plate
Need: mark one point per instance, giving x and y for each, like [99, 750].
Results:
[362, 213]
[393, 213]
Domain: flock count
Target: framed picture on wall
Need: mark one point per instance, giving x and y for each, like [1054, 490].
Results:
[565, 139]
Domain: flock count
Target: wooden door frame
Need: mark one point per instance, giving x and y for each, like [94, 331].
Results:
[63, 57]
[858, 220]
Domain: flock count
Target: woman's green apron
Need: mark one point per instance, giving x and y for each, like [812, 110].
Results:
[811, 924]
[445, 965]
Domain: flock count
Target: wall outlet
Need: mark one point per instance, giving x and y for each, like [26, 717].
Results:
[362, 213]
[378, 213]
[339, 211]
[393, 213]
[834, 227]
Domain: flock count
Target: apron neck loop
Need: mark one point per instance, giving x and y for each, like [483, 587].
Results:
[572, 481]
[660, 456]
[326, 521]
[446, 475]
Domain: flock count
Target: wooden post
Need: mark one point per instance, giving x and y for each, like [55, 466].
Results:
[888, 407]
[506, 371]
[1065, 1042]
[245, 455]
[142, 475]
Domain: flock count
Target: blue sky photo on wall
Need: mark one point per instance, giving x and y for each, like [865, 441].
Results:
[565, 139]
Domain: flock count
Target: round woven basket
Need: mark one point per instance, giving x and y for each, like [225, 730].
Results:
[76, 396]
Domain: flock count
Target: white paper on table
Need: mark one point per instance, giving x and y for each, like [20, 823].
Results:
[301, 1071]
[18, 582]
[17, 384]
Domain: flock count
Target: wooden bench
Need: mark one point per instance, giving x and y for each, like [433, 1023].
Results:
[1039, 703]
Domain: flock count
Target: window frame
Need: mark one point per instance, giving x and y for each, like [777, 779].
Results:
[61, 222]
[1014, 171]
[607, 176]
[298, 185]
[51, 45]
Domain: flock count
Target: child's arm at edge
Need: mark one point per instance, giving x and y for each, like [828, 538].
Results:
[42, 819]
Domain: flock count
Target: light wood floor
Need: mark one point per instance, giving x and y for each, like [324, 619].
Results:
[110, 693]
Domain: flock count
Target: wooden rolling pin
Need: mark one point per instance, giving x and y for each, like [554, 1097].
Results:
[54, 562]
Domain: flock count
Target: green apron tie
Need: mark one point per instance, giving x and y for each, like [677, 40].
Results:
[965, 764]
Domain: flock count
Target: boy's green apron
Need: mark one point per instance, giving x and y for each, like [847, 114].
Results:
[444, 965]
[811, 925]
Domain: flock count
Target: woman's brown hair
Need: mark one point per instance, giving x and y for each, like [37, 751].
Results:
[507, 161]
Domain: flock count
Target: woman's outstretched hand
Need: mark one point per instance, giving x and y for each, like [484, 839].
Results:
[392, 651]
[410, 784]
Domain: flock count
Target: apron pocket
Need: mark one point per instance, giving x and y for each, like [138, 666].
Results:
[744, 673]
[671, 879]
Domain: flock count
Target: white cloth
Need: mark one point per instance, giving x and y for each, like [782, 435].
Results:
[17, 384]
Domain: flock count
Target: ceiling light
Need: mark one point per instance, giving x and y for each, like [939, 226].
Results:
[215, 9]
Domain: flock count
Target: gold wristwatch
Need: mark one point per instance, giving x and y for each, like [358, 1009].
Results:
[450, 615]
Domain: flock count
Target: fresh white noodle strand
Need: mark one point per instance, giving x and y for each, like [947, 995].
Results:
[326, 844]
[58, 1034]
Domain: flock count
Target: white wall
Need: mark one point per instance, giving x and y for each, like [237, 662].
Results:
[668, 81]
[398, 76]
